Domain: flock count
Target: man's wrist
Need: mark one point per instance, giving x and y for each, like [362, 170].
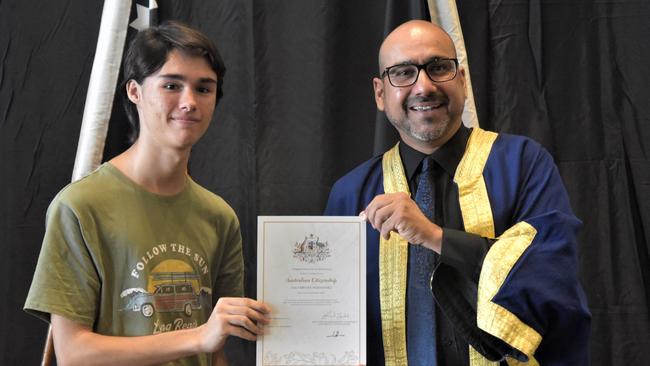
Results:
[435, 238]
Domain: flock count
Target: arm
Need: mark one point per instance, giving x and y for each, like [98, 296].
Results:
[399, 213]
[77, 344]
[529, 295]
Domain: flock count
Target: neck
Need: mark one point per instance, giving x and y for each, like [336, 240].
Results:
[160, 172]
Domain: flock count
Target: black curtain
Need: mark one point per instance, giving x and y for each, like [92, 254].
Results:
[573, 76]
[298, 112]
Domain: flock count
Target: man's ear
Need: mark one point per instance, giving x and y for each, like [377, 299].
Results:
[378, 86]
[461, 74]
[133, 91]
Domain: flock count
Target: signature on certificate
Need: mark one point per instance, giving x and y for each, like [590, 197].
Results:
[335, 315]
[336, 334]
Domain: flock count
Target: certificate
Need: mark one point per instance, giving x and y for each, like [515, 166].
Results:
[311, 271]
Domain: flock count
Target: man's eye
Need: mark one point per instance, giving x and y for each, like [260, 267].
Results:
[402, 72]
[438, 69]
[170, 86]
[204, 90]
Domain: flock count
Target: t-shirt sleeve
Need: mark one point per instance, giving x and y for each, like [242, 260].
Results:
[65, 282]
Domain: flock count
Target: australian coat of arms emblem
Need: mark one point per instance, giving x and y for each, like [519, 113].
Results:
[311, 250]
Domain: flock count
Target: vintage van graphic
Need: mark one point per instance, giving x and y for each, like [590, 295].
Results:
[168, 291]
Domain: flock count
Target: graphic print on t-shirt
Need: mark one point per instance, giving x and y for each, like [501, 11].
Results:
[173, 286]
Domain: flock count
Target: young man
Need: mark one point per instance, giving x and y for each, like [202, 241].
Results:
[136, 254]
[488, 221]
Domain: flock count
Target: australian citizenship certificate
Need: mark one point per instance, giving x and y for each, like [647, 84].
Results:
[311, 271]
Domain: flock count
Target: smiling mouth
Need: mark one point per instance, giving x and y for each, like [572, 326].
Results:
[426, 107]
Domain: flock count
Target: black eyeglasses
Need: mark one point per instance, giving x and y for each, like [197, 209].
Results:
[438, 70]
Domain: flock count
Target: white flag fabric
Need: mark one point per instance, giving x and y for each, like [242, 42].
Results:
[445, 14]
[147, 16]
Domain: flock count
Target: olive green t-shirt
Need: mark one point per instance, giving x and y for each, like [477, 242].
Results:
[127, 262]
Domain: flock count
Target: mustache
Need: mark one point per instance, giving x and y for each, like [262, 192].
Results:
[416, 99]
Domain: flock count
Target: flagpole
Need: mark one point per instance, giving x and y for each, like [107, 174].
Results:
[101, 88]
[99, 102]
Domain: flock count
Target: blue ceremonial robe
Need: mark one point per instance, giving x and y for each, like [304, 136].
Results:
[541, 289]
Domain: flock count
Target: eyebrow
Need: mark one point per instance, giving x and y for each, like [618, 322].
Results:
[413, 62]
[183, 78]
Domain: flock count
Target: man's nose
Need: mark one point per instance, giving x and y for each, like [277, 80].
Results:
[424, 84]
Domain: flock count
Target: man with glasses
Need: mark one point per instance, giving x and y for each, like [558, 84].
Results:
[471, 238]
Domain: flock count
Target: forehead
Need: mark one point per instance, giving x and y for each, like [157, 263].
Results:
[186, 65]
[416, 45]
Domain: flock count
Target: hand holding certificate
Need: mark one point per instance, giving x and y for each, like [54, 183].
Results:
[311, 272]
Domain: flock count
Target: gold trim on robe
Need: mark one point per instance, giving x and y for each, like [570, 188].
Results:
[493, 318]
[500, 259]
[393, 265]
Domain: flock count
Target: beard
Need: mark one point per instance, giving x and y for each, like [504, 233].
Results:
[423, 129]
[427, 132]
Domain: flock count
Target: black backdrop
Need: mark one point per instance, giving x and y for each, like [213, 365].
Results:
[298, 112]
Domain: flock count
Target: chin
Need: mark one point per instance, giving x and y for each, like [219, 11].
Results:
[430, 134]
[427, 137]
[440, 130]
[184, 144]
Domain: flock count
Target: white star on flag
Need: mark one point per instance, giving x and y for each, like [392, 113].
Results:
[143, 21]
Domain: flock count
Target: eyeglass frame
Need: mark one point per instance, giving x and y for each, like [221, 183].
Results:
[421, 67]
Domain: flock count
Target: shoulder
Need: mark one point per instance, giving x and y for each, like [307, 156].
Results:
[361, 173]
[358, 177]
[212, 204]
[353, 190]
[518, 153]
[507, 144]
[523, 180]
[88, 191]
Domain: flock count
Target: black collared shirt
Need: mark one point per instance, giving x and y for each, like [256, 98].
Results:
[461, 250]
